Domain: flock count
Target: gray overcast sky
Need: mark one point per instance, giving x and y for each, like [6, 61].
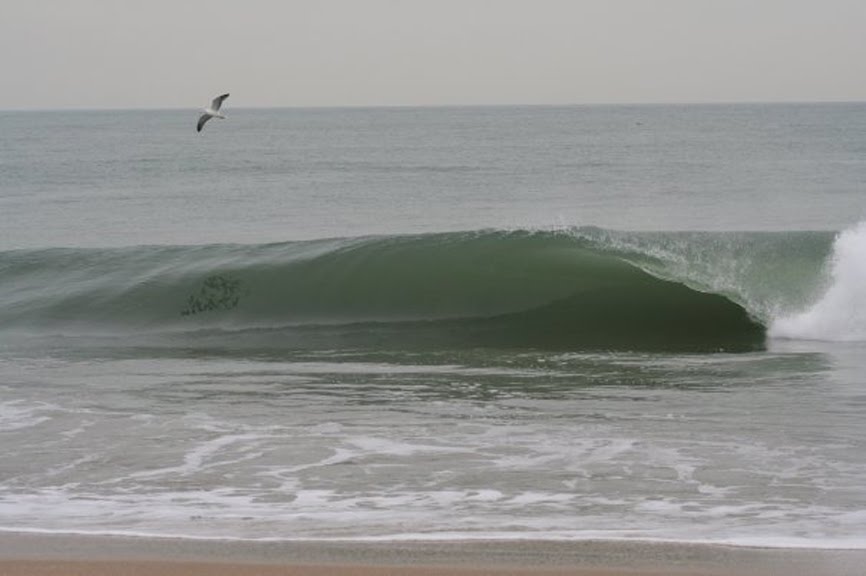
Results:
[172, 53]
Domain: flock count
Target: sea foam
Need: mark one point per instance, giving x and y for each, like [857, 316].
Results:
[840, 312]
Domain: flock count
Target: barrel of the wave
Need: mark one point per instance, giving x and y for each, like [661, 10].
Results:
[500, 289]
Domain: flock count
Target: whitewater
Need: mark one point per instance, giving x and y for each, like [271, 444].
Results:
[840, 312]
[575, 323]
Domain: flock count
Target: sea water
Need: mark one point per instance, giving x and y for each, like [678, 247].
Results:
[625, 322]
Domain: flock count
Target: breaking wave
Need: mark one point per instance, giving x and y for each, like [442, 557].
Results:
[581, 288]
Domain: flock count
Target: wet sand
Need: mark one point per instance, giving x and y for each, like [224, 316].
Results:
[55, 555]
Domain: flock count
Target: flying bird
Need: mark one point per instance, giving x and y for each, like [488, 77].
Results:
[212, 112]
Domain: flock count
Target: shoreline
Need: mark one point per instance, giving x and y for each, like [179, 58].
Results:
[27, 554]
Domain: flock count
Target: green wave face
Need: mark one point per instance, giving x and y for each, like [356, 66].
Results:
[574, 289]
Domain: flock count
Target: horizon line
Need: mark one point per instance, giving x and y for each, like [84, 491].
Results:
[435, 106]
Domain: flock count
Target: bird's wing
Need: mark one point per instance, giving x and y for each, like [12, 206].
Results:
[217, 102]
[204, 118]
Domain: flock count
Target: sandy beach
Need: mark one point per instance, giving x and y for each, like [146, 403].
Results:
[139, 568]
[49, 555]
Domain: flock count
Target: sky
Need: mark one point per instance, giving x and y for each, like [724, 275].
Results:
[181, 53]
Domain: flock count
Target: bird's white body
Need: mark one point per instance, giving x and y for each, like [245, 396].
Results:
[212, 111]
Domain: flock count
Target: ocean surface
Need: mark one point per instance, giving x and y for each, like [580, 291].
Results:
[589, 322]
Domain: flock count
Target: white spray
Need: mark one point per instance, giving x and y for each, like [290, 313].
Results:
[840, 313]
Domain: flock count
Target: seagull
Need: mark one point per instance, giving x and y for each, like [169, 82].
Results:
[212, 112]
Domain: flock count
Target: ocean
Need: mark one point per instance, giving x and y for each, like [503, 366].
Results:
[546, 323]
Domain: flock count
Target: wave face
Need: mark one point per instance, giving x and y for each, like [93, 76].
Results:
[584, 288]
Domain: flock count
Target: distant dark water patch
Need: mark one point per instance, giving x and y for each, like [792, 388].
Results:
[216, 293]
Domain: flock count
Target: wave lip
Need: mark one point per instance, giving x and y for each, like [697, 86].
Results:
[548, 290]
[839, 314]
